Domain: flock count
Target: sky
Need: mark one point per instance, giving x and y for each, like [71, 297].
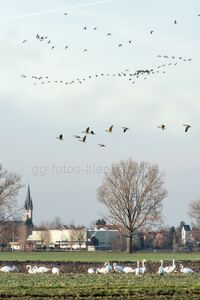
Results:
[64, 175]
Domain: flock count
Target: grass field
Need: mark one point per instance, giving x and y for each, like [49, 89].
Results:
[109, 286]
[94, 256]
[95, 287]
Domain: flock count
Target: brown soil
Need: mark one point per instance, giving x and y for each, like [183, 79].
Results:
[82, 267]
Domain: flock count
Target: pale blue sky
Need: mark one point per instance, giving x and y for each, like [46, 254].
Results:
[33, 115]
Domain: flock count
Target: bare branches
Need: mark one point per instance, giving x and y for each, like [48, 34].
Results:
[9, 188]
[133, 193]
[194, 212]
[78, 235]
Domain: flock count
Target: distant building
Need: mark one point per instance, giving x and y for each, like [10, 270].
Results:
[185, 234]
[195, 236]
[20, 230]
[70, 239]
[28, 208]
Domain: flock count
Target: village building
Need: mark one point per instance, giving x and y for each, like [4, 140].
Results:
[185, 234]
[22, 235]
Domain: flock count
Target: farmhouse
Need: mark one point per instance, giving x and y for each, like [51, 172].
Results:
[185, 234]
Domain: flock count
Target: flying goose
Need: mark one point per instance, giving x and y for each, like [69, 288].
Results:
[87, 130]
[60, 137]
[187, 126]
[77, 136]
[83, 140]
[109, 129]
[162, 126]
[125, 129]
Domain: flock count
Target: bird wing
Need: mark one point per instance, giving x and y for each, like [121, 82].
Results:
[111, 127]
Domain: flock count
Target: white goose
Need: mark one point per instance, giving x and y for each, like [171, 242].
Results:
[8, 269]
[171, 269]
[42, 270]
[118, 268]
[105, 270]
[55, 271]
[137, 270]
[143, 269]
[108, 267]
[185, 270]
[31, 270]
[161, 270]
[128, 270]
[91, 271]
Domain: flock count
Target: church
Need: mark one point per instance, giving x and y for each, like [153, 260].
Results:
[13, 233]
[28, 212]
[23, 236]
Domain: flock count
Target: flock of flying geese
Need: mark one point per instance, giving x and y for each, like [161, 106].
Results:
[88, 131]
[107, 268]
[43, 38]
[131, 76]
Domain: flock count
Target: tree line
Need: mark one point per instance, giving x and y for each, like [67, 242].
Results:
[133, 193]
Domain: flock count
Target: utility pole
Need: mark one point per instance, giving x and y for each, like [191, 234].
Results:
[13, 234]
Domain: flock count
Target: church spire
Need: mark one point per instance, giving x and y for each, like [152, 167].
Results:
[28, 202]
[28, 206]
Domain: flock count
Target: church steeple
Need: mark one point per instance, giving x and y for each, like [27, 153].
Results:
[28, 202]
[28, 207]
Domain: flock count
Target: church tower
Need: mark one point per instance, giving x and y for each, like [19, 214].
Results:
[28, 213]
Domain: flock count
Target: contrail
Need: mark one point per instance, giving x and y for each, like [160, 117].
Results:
[55, 10]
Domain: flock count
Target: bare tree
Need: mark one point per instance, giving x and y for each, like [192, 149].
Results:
[78, 235]
[133, 193]
[10, 183]
[45, 237]
[56, 223]
[194, 212]
[22, 237]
